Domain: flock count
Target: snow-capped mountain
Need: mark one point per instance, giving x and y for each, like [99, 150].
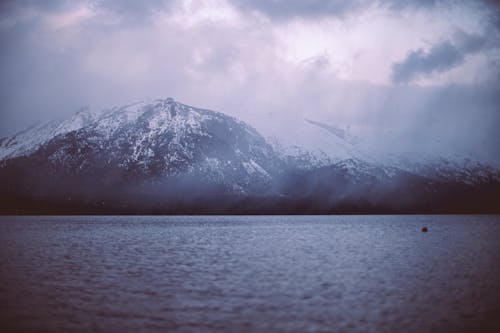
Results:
[320, 144]
[149, 141]
[171, 153]
[27, 141]
[298, 156]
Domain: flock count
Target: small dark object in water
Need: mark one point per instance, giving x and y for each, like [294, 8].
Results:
[424, 229]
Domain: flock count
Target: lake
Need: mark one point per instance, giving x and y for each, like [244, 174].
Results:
[250, 274]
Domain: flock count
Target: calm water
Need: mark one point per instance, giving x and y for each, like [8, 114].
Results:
[250, 274]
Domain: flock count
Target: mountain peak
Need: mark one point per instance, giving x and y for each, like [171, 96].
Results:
[150, 142]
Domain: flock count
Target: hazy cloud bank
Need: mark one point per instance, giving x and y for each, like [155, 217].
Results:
[423, 71]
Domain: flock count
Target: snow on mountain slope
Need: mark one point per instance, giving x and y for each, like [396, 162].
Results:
[150, 141]
[27, 141]
[316, 144]
[153, 139]
[155, 155]
[297, 156]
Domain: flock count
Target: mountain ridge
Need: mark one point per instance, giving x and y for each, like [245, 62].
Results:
[181, 156]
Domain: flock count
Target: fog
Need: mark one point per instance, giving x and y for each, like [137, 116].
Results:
[404, 76]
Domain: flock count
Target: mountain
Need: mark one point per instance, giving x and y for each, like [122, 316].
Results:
[27, 141]
[356, 186]
[161, 148]
[163, 156]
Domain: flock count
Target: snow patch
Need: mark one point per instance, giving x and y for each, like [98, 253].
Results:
[253, 167]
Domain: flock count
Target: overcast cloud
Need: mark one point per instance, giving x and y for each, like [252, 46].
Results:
[427, 72]
[441, 57]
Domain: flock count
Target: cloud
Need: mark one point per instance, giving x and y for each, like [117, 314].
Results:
[289, 9]
[59, 55]
[129, 10]
[441, 57]
[469, 43]
[311, 9]
[411, 4]
[132, 10]
[10, 5]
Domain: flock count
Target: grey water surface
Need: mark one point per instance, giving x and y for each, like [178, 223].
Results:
[250, 274]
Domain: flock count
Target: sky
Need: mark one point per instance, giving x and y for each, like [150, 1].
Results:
[406, 75]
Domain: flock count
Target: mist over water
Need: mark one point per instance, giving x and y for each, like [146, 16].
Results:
[250, 274]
